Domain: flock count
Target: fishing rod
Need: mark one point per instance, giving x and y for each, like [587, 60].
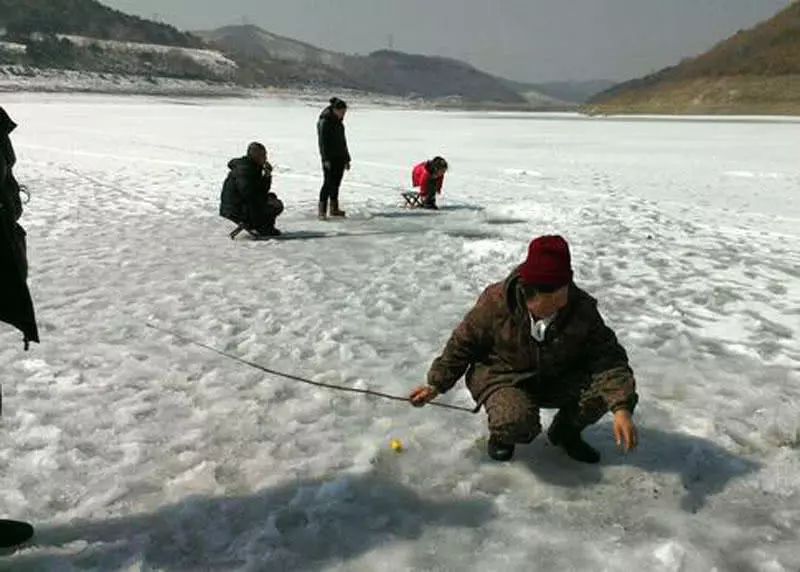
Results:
[299, 379]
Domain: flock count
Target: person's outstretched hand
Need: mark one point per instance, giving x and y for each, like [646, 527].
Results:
[421, 396]
[625, 431]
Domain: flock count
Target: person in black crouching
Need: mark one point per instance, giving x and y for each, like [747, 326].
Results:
[246, 197]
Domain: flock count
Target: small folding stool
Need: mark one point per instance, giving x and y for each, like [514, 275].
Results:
[413, 199]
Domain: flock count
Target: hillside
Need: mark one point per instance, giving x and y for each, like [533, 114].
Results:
[254, 42]
[84, 54]
[754, 71]
[398, 73]
[268, 59]
[266, 56]
[87, 37]
[90, 18]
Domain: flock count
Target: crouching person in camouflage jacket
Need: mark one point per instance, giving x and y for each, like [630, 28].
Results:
[538, 341]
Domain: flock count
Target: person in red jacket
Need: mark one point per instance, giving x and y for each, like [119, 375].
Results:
[429, 178]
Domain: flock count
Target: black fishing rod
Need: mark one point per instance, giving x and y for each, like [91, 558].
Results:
[302, 379]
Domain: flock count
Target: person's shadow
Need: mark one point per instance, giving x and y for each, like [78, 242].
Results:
[297, 526]
[704, 467]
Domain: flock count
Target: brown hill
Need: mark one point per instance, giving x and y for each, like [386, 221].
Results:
[754, 71]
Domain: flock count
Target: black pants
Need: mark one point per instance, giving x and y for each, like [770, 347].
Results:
[333, 180]
[429, 197]
[261, 214]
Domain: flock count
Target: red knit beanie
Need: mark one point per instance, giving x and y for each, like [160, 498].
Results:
[548, 264]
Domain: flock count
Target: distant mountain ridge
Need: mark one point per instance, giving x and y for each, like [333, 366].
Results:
[86, 36]
[753, 71]
[252, 41]
[265, 58]
[383, 71]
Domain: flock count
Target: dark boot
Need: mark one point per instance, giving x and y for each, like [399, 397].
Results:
[430, 203]
[267, 228]
[335, 209]
[568, 437]
[498, 450]
[322, 212]
[13, 533]
[269, 231]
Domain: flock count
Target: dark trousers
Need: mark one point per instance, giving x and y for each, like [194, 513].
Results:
[265, 220]
[514, 412]
[429, 195]
[332, 182]
[265, 223]
[259, 215]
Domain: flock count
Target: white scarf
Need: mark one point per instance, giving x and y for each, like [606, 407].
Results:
[539, 327]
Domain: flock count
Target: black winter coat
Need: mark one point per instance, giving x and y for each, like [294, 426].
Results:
[16, 306]
[244, 193]
[332, 139]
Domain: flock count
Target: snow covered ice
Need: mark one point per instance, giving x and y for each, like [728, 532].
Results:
[130, 449]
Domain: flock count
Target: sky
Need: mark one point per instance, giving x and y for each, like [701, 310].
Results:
[526, 40]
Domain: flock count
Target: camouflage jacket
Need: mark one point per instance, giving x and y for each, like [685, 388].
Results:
[494, 347]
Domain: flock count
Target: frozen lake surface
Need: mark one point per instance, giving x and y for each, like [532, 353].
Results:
[132, 450]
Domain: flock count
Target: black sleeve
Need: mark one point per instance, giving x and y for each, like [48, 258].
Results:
[346, 148]
[324, 137]
[6, 199]
[247, 188]
[4, 171]
[243, 185]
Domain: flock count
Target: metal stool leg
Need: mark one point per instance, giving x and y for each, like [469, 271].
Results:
[237, 231]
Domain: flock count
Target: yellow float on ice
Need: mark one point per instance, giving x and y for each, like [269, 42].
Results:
[396, 445]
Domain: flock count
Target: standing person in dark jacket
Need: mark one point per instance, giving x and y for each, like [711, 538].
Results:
[246, 198]
[335, 156]
[538, 341]
[16, 307]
